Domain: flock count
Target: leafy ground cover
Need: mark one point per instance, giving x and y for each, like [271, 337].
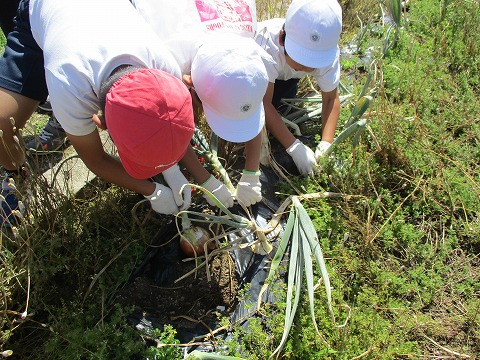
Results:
[400, 238]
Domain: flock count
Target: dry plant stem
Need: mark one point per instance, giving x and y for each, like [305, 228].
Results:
[293, 126]
[69, 341]
[327, 195]
[231, 246]
[278, 170]
[364, 353]
[24, 314]
[212, 333]
[347, 318]
[374, 138]
[134, 213]
[28, 257]
[193, 320]
[224, 328]
[231, 272]
[59, 167]
[370, 241]
[17, 135]
[451, 352]
[461, 167]
[103, 270]
[275, 221]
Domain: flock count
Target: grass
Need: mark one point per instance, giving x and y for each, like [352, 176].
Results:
[401, 243]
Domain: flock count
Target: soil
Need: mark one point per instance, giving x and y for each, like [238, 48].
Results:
[191, 304]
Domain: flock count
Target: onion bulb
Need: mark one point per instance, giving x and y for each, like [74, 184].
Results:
[193, 239]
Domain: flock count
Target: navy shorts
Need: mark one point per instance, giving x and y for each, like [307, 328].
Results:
[284, 89]
[9, 10]
[21, 65]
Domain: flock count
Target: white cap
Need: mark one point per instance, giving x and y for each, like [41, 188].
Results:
[230, 78]
[313, 30]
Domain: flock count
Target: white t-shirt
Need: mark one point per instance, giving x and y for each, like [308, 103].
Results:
[268, 38]
[184, 25]
[83, 41]
[172, 17]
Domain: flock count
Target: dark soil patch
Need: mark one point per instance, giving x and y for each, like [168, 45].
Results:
[190, 304]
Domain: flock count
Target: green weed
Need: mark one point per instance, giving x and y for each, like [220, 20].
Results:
[401, 239]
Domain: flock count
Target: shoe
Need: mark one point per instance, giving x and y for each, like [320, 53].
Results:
[12, 209]
[45, 106]
[51, 138]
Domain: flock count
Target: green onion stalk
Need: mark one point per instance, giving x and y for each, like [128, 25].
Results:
[191, 234]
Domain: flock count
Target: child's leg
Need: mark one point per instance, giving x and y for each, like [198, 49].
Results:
[22, 86]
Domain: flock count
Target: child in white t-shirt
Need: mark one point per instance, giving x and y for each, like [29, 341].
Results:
[226, 70]
[63, 49]
[305, 42]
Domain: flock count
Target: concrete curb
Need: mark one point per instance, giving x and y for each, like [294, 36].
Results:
[70, 174]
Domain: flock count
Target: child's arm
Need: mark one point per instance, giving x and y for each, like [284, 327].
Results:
[194, 166]
[252, 153]
[274, 122]
[330, 114]
[302, 155]
[205, 179]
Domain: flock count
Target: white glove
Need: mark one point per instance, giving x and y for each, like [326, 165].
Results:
[321, 149]
[162, 200]
[249, 188]
[220, 191]
[175, 179]
[303, 157]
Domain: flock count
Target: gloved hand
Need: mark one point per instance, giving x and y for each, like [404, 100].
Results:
[249, 188]
[321, 149]
[303, 157]
[162, 200]
[175, 179]
[220, 191]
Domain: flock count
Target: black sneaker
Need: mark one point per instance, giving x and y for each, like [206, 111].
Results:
[45, 107]
[51, 138]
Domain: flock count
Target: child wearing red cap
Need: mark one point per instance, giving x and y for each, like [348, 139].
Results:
[305, 42]
[64, 49]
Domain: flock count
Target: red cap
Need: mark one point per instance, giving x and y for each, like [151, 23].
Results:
[149, 116]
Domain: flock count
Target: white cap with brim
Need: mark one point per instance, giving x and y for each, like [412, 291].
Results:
[313, 30]
[236, 130]
[230, 78]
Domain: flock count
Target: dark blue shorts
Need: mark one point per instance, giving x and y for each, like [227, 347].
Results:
[9, 10]
[21, 65]
[284, 89]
